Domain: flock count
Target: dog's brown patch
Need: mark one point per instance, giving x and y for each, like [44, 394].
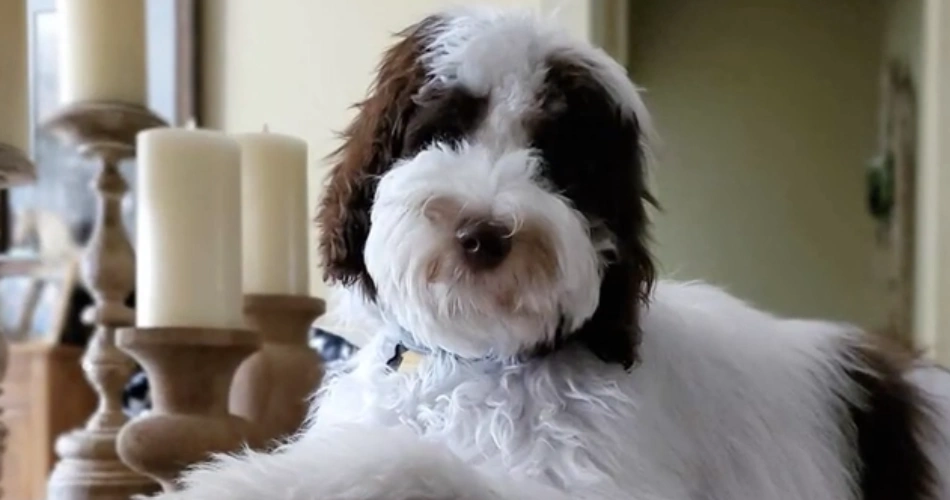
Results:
[532, 265]
[433, 268]
[891, 422]
[402, 113]
[534, 257]
[372, 142]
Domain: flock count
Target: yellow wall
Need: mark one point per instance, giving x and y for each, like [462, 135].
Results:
[903, 38]
[297, 65]
[768, 113]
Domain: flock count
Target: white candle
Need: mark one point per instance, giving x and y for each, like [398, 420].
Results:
[102, 50]
[274, 212]
[189, 229]
[14, 122]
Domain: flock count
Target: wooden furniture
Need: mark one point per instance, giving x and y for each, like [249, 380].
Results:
[190, 372]
[45, 395]
[15, 169]
[43, 309]
[273, 386]
[89, 466]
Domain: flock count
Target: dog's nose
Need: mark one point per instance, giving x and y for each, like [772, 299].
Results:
[484, 244]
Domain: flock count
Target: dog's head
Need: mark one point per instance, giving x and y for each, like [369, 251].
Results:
[490, 195]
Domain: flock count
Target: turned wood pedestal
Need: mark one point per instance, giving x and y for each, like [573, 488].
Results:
[272, 387]
[190, 372]
[89, 467]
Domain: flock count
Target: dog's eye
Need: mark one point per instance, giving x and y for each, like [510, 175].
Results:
[423, 136]
[444, 116]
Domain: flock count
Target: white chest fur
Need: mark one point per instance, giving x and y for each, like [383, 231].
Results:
[728, 403]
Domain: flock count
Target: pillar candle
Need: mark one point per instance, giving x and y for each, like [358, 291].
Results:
[274, 212]
[102, 50]
[14, 120]
[189, 230]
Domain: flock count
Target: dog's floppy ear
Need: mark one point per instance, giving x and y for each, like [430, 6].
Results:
[372, 142]
[613, 333]
[595, 149]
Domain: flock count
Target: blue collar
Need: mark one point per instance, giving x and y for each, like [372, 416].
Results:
[405, 342]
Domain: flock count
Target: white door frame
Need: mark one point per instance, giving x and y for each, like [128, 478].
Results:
[603, 22]
[610, 22]
[932, 307]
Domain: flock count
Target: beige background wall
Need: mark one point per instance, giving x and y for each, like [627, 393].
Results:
[13, 77]
[768, 113]
[297, 65]
[903, 33]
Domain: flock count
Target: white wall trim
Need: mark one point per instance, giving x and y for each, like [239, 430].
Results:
[932, 314]
[602, 22]
[610, 28]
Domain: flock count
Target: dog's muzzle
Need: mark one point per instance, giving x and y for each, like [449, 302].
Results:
[484, 244]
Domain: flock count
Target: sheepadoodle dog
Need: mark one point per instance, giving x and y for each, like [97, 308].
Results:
[488, 213]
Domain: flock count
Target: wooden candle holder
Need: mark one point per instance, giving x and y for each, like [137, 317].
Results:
[190, 372]
[272, 387]
[89, 465]
[15, 169]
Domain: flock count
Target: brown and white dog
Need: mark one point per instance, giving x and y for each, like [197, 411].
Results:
[488, 212]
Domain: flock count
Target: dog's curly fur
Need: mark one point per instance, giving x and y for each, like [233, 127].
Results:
[562, 370]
